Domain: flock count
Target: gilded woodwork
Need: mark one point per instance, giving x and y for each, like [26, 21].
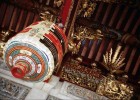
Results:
[81, 33]
[110, 86]
[114, 89]
[1, 49]
[74, 72]
[4, 36]
[114, 61]
[86, 8]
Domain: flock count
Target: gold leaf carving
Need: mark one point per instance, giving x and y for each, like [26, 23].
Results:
[113, 62]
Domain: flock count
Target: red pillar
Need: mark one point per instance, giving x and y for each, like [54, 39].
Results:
[65, 10]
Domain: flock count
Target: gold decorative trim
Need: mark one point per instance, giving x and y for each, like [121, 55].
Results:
[73, 20]
[67, 20]
[2, 44]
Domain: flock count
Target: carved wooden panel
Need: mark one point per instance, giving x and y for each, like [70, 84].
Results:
[122, 19]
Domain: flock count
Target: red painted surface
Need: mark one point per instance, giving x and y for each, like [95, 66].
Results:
[19, 70]
[65, 11]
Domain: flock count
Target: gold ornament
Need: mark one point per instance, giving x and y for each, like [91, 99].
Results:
[109, 86]
[81, 33]
[46, 15]
[78, 74]
[1, 49]
[114, 89]
[87, 8]
[113, 62]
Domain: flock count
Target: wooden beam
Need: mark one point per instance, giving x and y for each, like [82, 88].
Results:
[130, 21]
[27, 19]
[99, 11]
[19, 20]
[125, 51]
[122, 17]
[36, 18]
[110, 45]
[136, 26]
[92, 50]
[13, 18]
[106, 13]
[2, 12]
[100, 51]
[85, 48]
[114, 15]
[7, 16]
[130, 60]
[136, 66]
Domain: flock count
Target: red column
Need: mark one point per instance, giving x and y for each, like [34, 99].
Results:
[65, 10]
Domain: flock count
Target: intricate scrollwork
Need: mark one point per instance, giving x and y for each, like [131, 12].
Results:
[109, 86]
[51, 13]
[83, 93]
[78, 74]
[87, 8]
[79, 35]
[11, 90]
[114, 89]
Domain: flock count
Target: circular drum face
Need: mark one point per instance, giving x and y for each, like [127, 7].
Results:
[34, 52]
[36, 60]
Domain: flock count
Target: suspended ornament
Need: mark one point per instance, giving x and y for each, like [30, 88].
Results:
[35, 52]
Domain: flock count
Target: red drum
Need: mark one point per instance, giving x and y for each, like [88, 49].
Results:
[35, 52]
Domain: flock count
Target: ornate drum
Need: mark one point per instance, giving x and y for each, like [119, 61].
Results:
[35, 52]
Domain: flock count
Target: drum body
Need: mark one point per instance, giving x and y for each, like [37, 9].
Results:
[35, 52]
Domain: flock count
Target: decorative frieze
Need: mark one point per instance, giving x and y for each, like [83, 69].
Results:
[10, 90]
[80, 75]
[73, 90]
